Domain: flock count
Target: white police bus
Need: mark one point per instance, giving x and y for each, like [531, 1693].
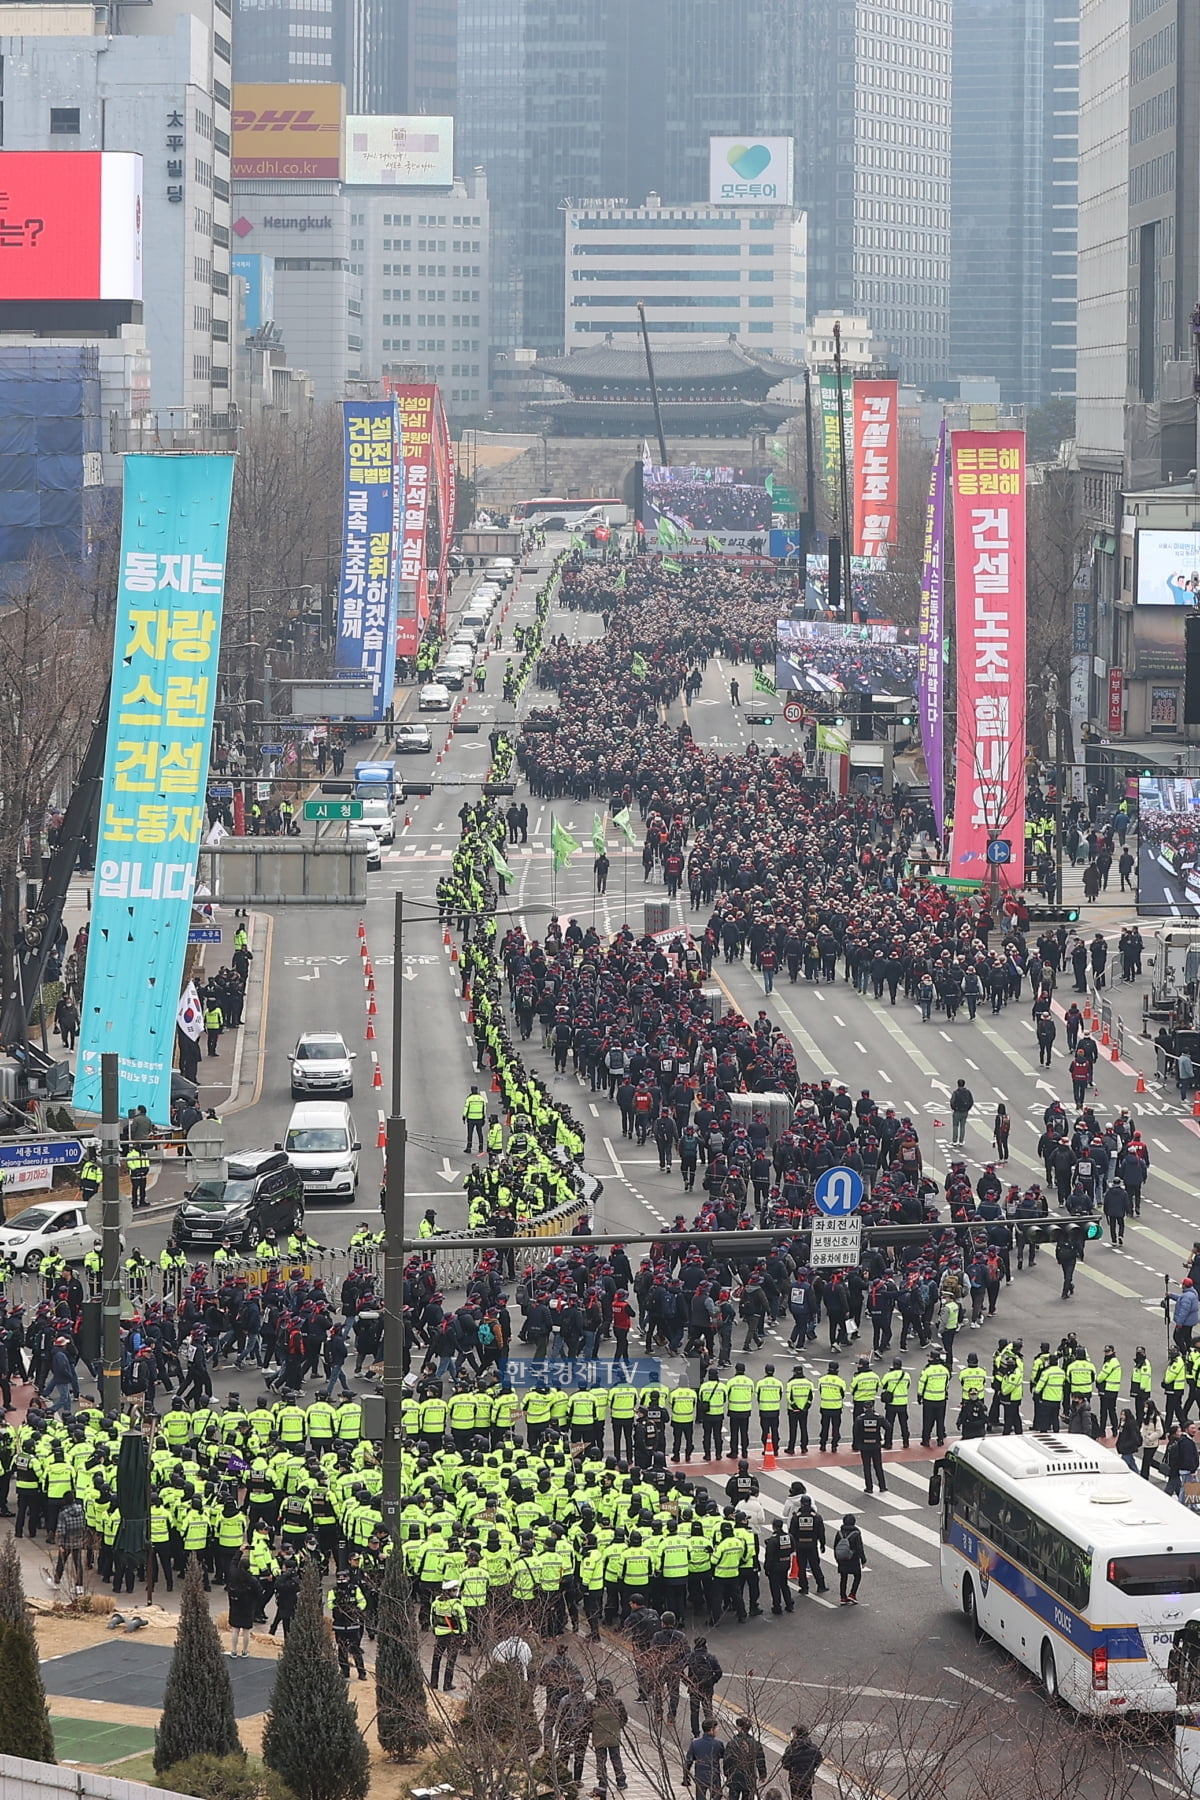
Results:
[1079, 1568]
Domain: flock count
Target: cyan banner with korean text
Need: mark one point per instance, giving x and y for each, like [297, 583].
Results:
[366, 622]
[174, 531]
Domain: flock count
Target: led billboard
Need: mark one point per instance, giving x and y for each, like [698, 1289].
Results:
[1168, 568]
[389, 150]
[70, 225]
[750, 171]
[1169, 846]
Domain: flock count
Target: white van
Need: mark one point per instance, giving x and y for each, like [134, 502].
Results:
[377, 813]
[322, 1146]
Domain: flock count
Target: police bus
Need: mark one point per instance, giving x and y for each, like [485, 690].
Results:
[1079, 1568]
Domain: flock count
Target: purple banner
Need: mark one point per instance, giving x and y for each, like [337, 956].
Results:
[931, 677]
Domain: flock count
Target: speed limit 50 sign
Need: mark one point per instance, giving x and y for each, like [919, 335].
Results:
[793, 712]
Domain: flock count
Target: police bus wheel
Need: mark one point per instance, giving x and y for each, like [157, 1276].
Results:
[1049, 1674]
[970, 1608]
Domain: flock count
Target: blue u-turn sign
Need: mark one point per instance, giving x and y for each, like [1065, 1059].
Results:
[838, 1192]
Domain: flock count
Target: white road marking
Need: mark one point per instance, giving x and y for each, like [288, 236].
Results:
[981, 1685]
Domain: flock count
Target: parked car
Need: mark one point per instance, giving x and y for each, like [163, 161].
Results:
[260, 1191]
[321, 1064]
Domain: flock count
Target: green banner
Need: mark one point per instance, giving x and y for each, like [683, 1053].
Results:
[831, 739]
[764, 685]
[562, 844]
[831, 460]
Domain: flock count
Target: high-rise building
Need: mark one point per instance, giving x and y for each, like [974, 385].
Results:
[392, 56]
[154, 80]
[707, 271]
[873, 171]
[1015, 95]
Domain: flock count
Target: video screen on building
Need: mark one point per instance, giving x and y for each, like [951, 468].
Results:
[1169, 846]
[1168, 568]
[813, 657]
[687, 505]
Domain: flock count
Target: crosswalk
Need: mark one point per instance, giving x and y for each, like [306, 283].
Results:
[898, 1526]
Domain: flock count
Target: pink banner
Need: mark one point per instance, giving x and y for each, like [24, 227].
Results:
[988, 475]
[876, 466]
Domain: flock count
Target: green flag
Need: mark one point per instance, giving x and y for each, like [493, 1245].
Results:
[619, 583]
[830, 738]
[562, 844]
[764, 685]
[714, 543]
[599, 841]
[639, 665]
[622, 822]
[668, 535]
[499, 864]
[577, 542]
[671, 567]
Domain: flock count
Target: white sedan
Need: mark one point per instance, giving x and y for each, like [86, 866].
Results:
[434, 697]
[58, 1225]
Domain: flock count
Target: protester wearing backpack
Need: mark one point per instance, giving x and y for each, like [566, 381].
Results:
[850, 1557]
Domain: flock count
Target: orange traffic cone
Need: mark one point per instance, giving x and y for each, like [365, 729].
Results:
[1141, 1083]
[446, 938]
[1116, 1054]
[371, 1007]
[768, 1458]
[362, 930]
[370, 1031]
[1196, 1105]
[370, 980]
[794, 1571]
[407, 821]
[1105, 1039]
[378, 1080]
[381, 1140]
[496, 1090]
[454, 954]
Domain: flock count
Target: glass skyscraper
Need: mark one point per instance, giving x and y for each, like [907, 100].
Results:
[1014, 196]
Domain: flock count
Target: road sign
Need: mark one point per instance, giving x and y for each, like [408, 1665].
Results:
[793, 712]
[838, 1192]
[836, 1243]
[639, 1371]
[999, 851]
[40, 1150]
[220, 790]
[333, 809]
[270, 749]
[204, 934]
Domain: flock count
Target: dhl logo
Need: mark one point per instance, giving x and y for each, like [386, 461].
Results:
[269, 120]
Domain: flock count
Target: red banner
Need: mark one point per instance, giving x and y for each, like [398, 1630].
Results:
[1116, 700]
[428, 489]
[988, 474]
[876, 466]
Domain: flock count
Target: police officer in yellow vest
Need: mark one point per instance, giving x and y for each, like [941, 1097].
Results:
[831, 1397]
[933, 1387]
[894, 1387]
[214, 1024]
[864, 1386]
[712, 1416]
[768, 1395]
[682, 1406]
[138, 1165]
[739, 1398]
[474, 1114]
[799, 1401]
[1048, 1392]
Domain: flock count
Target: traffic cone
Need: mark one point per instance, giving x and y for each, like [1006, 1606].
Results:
[1141, 1083]
[794, 1571]
[446, 938]
[371, 1007]
[370, 980]
[362, 930]
[381, 1140]
[496, 1090]
[768, 1462]
[407, 822]
[454, 953]
[1105, 1039]
[378, 1079]
[370, 1031]
[1196, 1104]
[1116, 1054]
[362, 950]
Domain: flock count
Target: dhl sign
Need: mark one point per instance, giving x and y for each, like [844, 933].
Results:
[288, 131]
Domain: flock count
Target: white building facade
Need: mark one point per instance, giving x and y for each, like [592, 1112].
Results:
[703, 271]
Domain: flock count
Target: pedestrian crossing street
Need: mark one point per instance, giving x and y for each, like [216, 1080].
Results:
[409, 852]
[898, 1528]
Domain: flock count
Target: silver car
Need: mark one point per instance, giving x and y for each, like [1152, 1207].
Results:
[321, 1064]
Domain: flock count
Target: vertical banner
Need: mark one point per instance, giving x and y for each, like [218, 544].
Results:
[366, 621]
[416, 454]
[988, 483]
[831, 455]
[1116, 701]
[876, 471]
[931, 668]
[174, 531]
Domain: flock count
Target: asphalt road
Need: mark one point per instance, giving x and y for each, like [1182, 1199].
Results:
[903, 1645]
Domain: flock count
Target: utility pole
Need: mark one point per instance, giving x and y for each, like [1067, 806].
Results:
[110, 1232]
[846, 523]
[658, 424]
[393, 1246]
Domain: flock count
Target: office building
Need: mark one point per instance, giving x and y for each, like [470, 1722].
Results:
[1013, 197]
[703, 271]
[421, 259]
[154, 80]
[302, 229]
[392, 56]
[873, 172]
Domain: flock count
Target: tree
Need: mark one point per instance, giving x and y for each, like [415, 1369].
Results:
[24, 1720]
[197, 1714]
[12, 1588]
[402, 1718]
[311, 1736]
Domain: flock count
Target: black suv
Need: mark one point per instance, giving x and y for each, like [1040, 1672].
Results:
[261, 1192]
